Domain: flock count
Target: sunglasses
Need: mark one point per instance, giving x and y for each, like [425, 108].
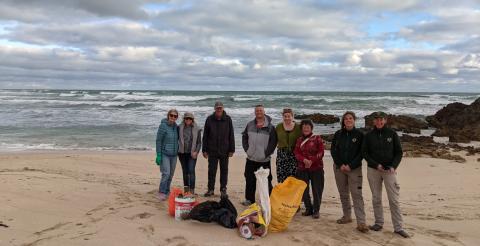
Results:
[173, 115]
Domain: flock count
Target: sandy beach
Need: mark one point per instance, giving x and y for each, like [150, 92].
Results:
[109, 198]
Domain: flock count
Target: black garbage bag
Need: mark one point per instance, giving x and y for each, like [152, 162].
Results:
[223, 212]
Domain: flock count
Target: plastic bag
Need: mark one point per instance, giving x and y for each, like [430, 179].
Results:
[223, 212]
[251, 223]
[263, 193]
[171, 200]
[285, 200]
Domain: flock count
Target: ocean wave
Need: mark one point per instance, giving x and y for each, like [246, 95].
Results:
[130, 105]
[67, 95]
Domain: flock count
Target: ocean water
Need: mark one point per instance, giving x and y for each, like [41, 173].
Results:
[128, 120]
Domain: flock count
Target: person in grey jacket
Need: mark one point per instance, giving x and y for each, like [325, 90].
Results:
[189, 144]
[259, 140]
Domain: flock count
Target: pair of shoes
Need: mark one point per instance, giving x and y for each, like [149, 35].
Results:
[375, 227]
[402, 233]
[344, 220]
[208, 193]
[307, 213]
[246, 203]
[316, 215]
[362, 228]
[162, 196]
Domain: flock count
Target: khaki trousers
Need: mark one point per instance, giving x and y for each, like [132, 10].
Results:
[351, 183]
[375, 180]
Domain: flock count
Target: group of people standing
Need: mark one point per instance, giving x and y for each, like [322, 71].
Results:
[299, 154]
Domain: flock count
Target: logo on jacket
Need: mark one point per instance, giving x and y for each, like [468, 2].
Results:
[389, 140]
[354, 140]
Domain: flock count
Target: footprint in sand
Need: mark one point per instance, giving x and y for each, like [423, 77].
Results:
[149, 230]
[140, 216]
[177, 241]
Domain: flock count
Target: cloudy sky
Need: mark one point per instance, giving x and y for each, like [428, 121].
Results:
[350, 45]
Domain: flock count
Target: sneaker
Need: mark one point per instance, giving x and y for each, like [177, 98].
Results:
[162, 196]
[246, 203]
[403, 233]
[362, 228]
[344, 220]
[208, 193]
[316, 215]
[375, 227]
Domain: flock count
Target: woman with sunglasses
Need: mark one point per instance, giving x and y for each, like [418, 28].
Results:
[167, 149]
[189, 144]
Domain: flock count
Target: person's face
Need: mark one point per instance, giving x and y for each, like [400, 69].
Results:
[287, 118]
[306, 129]
[172, 117]
[259, 112]
[218, 111]
[349, 121]
[379, 122]
[188, 121]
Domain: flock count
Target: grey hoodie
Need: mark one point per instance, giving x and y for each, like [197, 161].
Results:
[259, 143]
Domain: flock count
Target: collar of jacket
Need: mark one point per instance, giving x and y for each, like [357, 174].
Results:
[223, 117]
[266, 123]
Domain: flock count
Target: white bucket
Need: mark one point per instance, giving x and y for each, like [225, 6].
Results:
[183, 205]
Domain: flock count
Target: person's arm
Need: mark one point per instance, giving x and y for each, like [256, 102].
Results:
[397, 149]
[199, 141]
[357, 160]
[366, 155]
[321, 149]
[272, 142]
[231, 148]
[160, 135]
[334, 151]
[206, 134]
[245, 139]
[298, 151]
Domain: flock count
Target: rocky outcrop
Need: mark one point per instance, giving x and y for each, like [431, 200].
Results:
[400, 123]
[457, 121]
[319, 118]
[425, 146]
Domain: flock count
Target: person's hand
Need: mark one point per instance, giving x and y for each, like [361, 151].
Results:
[230, 154]
[205, 155]
[380, 168]
[346, 168]
[391, 170]
[194, 155]
[307, 163]
[158, 160]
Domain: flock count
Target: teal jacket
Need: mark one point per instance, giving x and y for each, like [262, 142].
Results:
[167, 138]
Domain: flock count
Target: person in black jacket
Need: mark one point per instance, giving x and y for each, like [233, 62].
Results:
[218, 146]
[383, 152]
[346, 152]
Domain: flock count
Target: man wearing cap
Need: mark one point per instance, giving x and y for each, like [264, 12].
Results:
[218, 146]
[259, 140]
[383, 152]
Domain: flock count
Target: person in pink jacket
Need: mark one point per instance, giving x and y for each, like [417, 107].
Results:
[309, 151]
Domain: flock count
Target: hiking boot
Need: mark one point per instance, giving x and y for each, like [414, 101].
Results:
[375, 227]
[316, 215]
[344, 220]
[246, 203]
[307, 213]
[403, 233]
[362, 228]
[223, 194]
[208, 193]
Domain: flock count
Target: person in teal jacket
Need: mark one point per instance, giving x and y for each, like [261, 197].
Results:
[167, 149]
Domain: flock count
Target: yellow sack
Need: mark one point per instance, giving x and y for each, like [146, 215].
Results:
[251, 223]
[285, 200]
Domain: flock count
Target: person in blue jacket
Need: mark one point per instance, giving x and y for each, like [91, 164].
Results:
[167, 149]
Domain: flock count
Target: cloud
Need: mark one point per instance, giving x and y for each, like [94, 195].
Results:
[255, 44]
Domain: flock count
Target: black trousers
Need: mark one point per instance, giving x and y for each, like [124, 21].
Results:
[251, 181]
[213, 162]
[316, 180]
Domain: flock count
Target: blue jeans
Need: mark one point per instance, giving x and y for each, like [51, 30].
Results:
[167, 169]
[188, 170]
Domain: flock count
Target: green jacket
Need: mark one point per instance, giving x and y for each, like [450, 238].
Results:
[287, 140]
[382, 146]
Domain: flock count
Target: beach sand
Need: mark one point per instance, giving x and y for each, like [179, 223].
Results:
[109, 198]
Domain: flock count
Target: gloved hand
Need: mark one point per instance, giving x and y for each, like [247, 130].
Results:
[158, 160]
